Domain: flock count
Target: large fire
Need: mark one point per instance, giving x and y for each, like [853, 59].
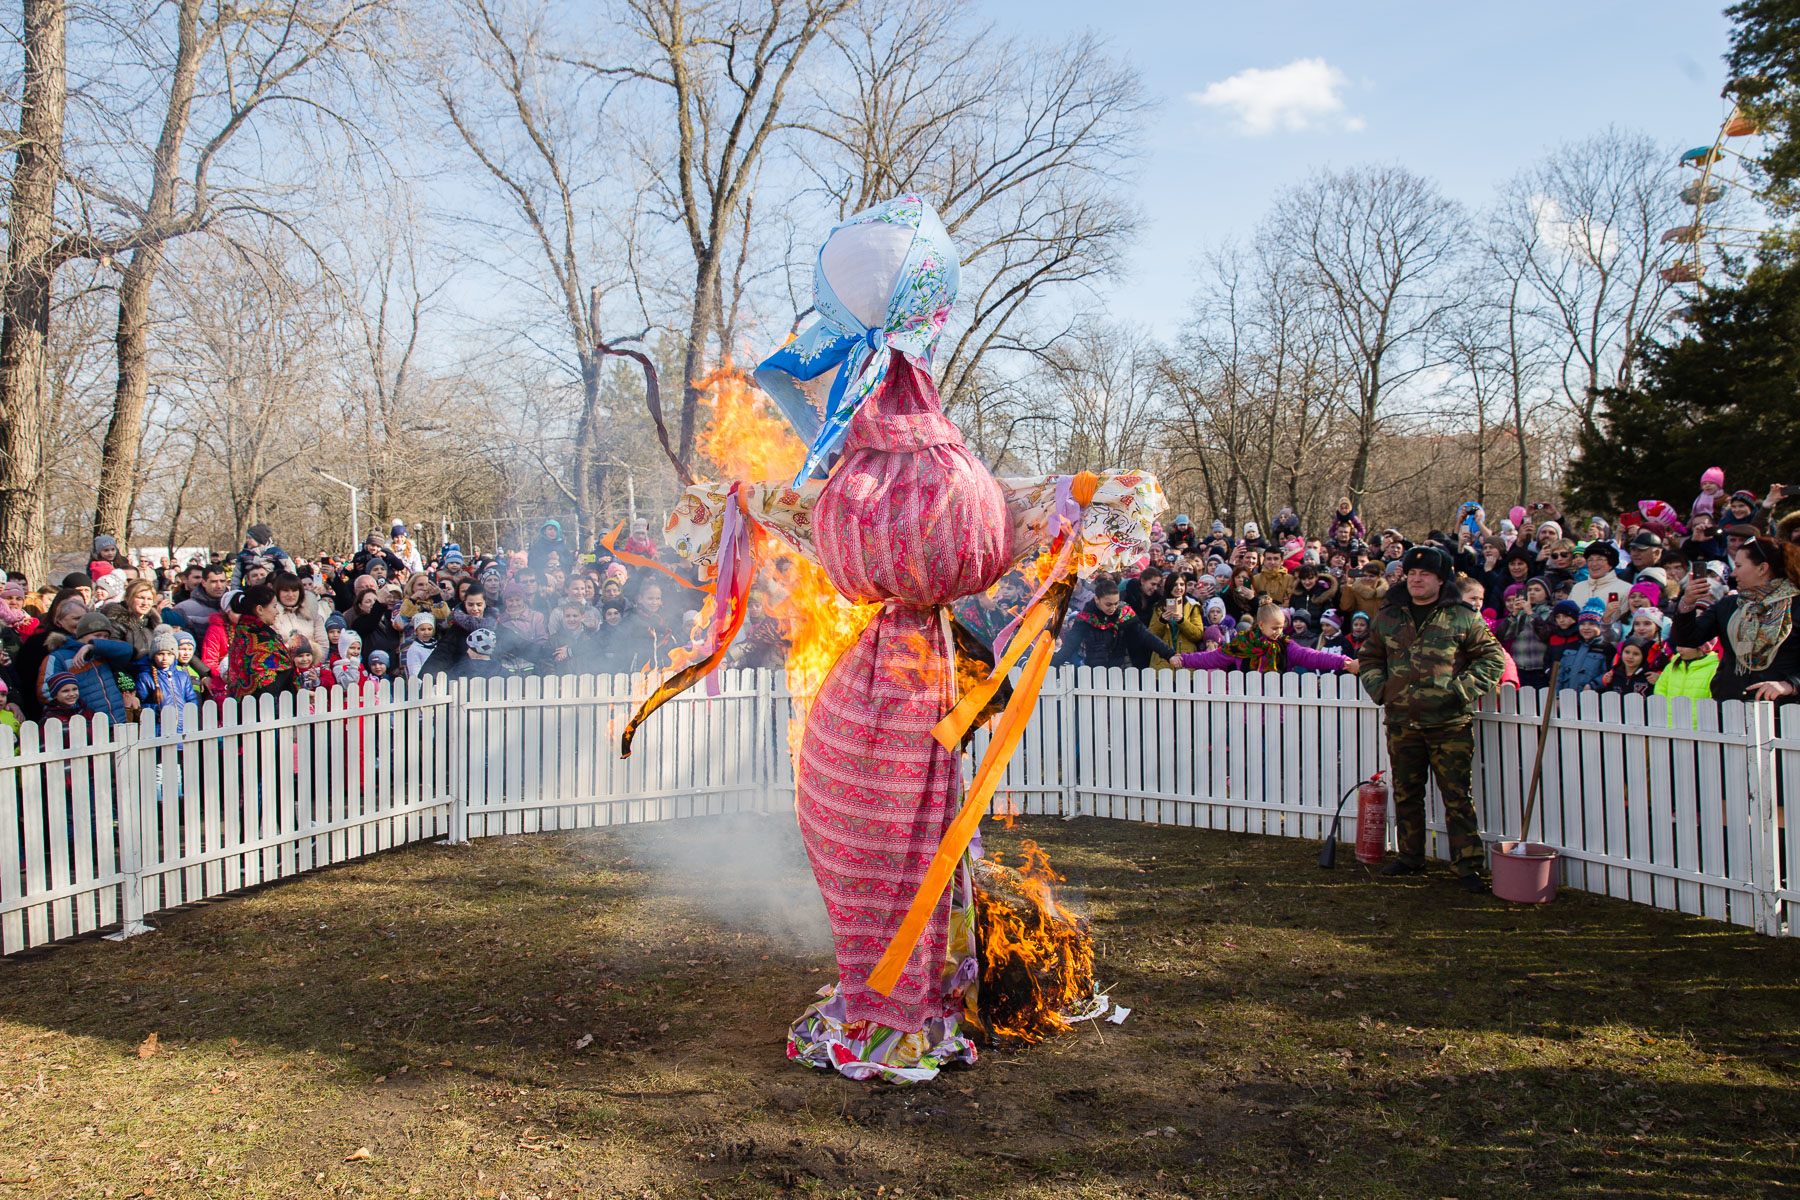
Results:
[1037, 957]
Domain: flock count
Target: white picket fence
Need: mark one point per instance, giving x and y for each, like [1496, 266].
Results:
[1678, 806]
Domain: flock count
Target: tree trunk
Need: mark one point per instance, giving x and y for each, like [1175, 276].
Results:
[1359, 473]
[187, 477]
[125, 429]
[586, 439]
[25, 304]
[693, 363]
[1481, 449]
[1365, 438]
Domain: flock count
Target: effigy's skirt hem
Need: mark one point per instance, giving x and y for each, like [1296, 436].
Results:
[864, 1050]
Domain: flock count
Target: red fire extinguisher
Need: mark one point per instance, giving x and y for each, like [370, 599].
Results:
[1371, 822]
[1371, 819]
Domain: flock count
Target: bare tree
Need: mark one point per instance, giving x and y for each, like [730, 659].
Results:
[724, 69]
[1502, 350]
[1095, 400]
[536, 128]
[221, 67]
[1380, 243]
[1022, 148]
[1583, 229]
[31, 264]
[385, 310]
[243, 363]
[1206, 380]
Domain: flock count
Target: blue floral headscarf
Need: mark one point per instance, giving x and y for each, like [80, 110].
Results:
[916, 311]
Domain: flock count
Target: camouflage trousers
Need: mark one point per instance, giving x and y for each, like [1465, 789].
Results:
[1448, 753]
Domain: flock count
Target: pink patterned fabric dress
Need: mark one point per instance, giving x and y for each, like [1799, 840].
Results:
[910, 518]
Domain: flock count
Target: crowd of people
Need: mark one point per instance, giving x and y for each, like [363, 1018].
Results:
[116, 638]
[1696, 603]
[1659, 601]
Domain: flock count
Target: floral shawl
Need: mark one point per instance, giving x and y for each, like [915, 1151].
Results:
[1259, 653]
[258, 659]
[1762, 622]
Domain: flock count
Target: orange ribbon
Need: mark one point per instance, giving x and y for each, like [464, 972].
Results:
[962, 830]
[638, 560]
[1034, 631]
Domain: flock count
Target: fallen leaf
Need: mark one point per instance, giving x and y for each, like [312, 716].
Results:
[148, 1046]
[361, 1153]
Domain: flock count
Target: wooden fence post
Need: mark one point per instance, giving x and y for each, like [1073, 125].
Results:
[459, 765]
[127, 773]
[1065, 710]
[1765, 833]
[764, 744]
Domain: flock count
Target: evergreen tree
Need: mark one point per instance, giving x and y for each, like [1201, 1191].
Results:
[1727, 394]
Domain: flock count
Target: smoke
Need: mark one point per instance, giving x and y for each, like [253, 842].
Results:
[749, 870]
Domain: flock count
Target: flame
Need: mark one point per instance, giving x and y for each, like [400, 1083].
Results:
[1037, 957]
[745, 437]
[748, 440]
[681, 656]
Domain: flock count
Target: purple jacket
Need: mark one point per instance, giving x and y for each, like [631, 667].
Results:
[1299, 658]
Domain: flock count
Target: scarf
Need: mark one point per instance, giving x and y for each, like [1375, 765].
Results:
[1259, 653]
[1762, 622]
[257, 658]
[1104, 623]
[898, 251]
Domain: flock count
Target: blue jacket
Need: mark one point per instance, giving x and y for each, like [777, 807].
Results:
[1583, 664]
[167, 690]
[98, 678]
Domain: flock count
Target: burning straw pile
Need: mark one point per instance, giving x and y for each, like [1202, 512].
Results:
[1037, 958]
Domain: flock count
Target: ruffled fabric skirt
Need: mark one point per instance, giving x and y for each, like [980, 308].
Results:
[824, 1037]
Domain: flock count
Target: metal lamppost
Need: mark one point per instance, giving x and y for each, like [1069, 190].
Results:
[355, 529]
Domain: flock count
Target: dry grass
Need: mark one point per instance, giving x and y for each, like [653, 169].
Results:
[1294, 1033]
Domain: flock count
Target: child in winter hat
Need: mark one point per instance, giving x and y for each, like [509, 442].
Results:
[1712, 491]
[64, 691]
[424, 641]
[309, 673]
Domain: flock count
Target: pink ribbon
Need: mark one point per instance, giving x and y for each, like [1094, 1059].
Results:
[737, 569]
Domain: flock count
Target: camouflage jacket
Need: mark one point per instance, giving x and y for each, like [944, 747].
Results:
[1429, 671]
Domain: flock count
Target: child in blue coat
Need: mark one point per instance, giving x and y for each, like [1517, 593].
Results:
[164, 684]
[1586, 662]
[94, 656]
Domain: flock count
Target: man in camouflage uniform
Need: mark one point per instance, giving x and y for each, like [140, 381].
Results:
[1428, 658]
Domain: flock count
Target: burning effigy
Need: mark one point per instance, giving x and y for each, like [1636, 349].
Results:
[935, 947]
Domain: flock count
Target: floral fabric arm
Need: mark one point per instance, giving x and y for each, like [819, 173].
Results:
[1115, 528]
[783, 510]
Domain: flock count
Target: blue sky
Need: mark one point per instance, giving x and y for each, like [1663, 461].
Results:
[1467, 93]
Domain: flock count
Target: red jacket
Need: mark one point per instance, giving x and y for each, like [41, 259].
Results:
[213, 647]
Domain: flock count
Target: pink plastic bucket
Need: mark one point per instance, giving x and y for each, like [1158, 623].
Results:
[1528, 878]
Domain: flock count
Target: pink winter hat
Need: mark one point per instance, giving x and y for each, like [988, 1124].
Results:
[1713, 475]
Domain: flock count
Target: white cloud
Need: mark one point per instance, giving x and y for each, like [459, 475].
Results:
[1302, 95]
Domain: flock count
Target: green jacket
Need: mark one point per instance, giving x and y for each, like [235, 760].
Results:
[1429, 672]
[1690, 679]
